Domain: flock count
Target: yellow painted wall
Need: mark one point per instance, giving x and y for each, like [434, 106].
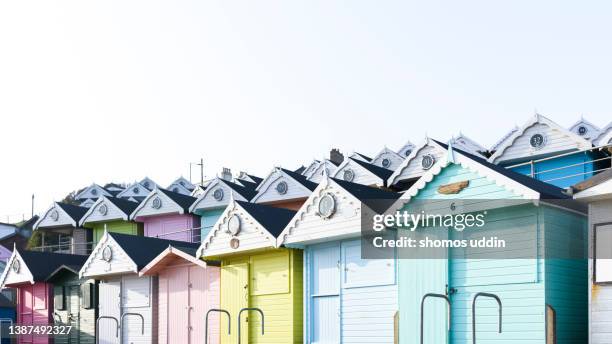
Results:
[274, 284]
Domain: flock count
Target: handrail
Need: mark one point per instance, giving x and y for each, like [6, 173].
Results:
[136, 314]
[56, 314]
[560, 155]
[441, 296]
[251, 309]
[499, 303]
[98, 326]
[229, 322]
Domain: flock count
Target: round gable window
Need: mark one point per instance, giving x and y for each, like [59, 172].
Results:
[428, 161]
[157, 203]
[218, 194]
[327, 206]
[233, 225]
[54, 215]
[537, 141]
[175, 189]
[16, 266]
[136, 190]
[107, 254]
[182, 183]
[94, 192]
[103, 210]
[146, 184]
[348, 175]
[408, 152]
[282, 187]
[582, 130]
[386, 162]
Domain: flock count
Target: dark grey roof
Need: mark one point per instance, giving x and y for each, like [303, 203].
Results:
[70, 268]
[184, 201]
[247, 184]
[256, 179]
[300, 169]
[272, 218]
[378, 171]
[547, 191]
[74, 211]
[42, 264]
[364, 156]
[248, 192]
[593, 181]
[126, 206]
[301, 179]
[376, 199]
[143, 250]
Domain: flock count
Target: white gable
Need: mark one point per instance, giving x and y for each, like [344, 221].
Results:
[413, 166]
[134, 190]
[357, 156]
[310, 169]
[325, 167]
[120, 262]
[182, 182]
[11, 277]
[207, 199]
[92, 191]
[388, 159]
[156, 203]
[178, 188]
[556, 140]
[468, 145]
[406, 149]
[504, 139]
[148, 183]
[585, 129]
[270, 191]
[307, 227]
[88, 203]
[252, 235]
[103, 210]
[604, 137]
[55, 216]
[359, 174]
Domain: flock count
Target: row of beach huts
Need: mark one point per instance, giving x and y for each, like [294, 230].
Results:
[280, 259]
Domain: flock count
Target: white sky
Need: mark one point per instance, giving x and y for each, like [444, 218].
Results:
[116, 90]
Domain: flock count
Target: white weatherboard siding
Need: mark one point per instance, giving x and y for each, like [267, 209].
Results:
[11, 277]
[394, 159]
[109, 305]
[601, 295]
[119, 264]
[556, 141]
[167, 205]
[112, 212]
[307, 227]
[326, 167]
[412, 168]
[268, 192]
[62, 218]
[207, 201]
[362, 175]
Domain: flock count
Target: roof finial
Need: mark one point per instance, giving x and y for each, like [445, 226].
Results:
[451, 153]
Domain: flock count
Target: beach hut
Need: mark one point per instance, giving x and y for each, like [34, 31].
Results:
[532, 289]
[127, 302]
[421, 158]
[59, 231]
[597, 193]
[347, 299]
[362, 172]
[387, 158]
[74, 304]
[585, 129]
[188, 289]
[546, 151]
[325, 167]
[255, 274]
[213, 200]
[113, 215]
[165, 214]
[283, 188]
[27, 273]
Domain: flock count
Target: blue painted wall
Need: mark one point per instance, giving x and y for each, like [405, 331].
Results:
[208, 218]
[553, 177]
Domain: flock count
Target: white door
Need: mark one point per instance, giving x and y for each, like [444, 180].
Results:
[136, 298]
[325, 294]
[109, 305]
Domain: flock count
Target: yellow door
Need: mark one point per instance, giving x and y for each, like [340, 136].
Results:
[234, 297]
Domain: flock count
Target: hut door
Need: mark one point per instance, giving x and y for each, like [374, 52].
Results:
[178, 305]
[234, 297]
[110, 302]
[325, 294]
[199, 303]
[74, 316]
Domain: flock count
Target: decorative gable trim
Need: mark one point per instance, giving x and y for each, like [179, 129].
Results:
[63, 218]
[182, 182]
[325, 167]
[152, 267]
[415, 152]
[89, 193]
[310, 169]
[151, 207]
[268, 185]
[148, 183]
[96, 255]
[352, 165]
[504, 138]
[466, 144]
[97, 214]
[581, 143]
[209, 193]
[8, 271]
[585, 129]
[219, 232]
[386, 153]
[406, 149]
[130, 191]
[605, 136]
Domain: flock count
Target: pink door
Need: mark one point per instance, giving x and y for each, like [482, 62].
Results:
[178, 305]
[34, 309]
[204, 295]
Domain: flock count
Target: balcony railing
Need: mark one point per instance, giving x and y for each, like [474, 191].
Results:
[192, 235]
[71, 248]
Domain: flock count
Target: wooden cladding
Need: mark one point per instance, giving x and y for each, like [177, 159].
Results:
[453, 188]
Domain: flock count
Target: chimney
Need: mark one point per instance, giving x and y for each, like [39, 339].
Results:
[226, 174]
[335, 156]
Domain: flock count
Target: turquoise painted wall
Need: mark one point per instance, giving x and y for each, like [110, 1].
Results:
[208, 218]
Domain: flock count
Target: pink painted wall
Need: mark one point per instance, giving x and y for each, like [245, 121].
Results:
[159, 226]
[181, 306]
[34, 306]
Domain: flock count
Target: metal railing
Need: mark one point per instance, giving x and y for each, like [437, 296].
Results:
[538, 174]
[192, 234]
[73, 248]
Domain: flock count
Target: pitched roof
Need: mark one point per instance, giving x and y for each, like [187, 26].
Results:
[375, 198]
[74, 211]
[244, 191]
[380, 172]
[367, 158]
[301, 179]
[300, 169]
[273, 219]
[184, 201]
[42, 264]
[142, 250]
[503, 139]
[126, 206]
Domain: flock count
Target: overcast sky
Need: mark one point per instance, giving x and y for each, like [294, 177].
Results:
[117, 90]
